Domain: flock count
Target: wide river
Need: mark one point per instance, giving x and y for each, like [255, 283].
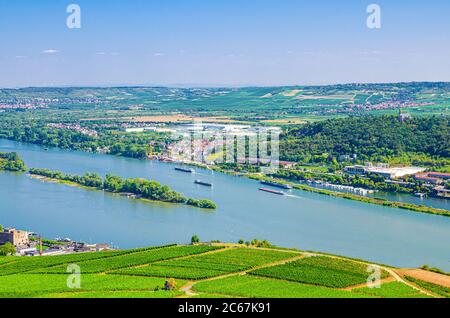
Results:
[303, 220]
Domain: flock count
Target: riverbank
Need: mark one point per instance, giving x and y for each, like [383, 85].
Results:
[215, 270]
[349, 196]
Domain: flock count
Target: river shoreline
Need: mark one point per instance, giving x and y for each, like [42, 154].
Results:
[302, 187]
[303, 219]
[347, 196]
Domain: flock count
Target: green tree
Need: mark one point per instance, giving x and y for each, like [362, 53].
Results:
[195, 239]
[7, 249]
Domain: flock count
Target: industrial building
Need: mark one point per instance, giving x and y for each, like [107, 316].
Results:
[383, 170]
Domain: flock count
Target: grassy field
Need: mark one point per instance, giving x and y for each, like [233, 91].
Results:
[324, 271]
[209, 265]
[391, 290]
[200, 271]
[436, 289]
[131, 259]
[256, 287]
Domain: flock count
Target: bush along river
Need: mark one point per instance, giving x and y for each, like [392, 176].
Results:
[300, 219]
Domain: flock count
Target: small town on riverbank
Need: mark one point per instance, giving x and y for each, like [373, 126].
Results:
[24, 243]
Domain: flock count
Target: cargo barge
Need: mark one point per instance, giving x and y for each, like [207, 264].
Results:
[276, 185]
[272, 191]
[206, 184]
[188, 170]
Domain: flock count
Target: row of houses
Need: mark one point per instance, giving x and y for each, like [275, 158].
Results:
[25, 246]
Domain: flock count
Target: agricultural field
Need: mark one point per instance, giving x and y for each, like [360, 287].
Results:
[434, 288]
[199, 271]
[320, 270]
[31, 285]
[259, 287]
[235, 104]
[131, 259]
[213, 264]
[21, 264]
[391, 290]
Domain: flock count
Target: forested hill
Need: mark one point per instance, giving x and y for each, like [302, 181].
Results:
[369, 137]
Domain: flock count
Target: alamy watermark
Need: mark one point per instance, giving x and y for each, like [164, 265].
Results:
[74, 278]
[74, 19]
[222, 144]
[374, 279]
[374, 19]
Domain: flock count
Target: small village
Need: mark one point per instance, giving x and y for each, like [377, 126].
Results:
[23, 243]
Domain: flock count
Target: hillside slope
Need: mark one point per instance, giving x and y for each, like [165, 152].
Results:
[200, 271]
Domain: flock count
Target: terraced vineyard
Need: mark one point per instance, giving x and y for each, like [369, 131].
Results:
[209, 265]
[48, 285]
[392, 290]
[21, 264]
[199, 271]
[256, 287]
[131, 259]
[321, 270]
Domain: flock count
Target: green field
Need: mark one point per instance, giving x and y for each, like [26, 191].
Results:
[22, 265]
[200, 271]
[34, 285]
[391, 290]
[256, 287]
[131, 259]
[214, 264]
[324, 271]
[436, 289]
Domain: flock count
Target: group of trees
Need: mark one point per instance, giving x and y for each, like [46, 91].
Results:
[369, 137]
[11, 161]
[152, 190]
[88, 179]
[110, 141]
[7, 249]
[147, 189]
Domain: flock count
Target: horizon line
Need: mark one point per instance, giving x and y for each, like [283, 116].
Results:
[230, 86]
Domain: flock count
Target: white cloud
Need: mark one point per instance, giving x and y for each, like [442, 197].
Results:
[50, 51]
[158, 54]
[106, 53]
[20, 57]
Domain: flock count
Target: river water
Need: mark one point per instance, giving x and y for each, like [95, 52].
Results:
[302, 220]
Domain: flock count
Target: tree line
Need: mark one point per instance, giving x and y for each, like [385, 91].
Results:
[369, 137]
[11, 161]
[112, 142]
[147, 189]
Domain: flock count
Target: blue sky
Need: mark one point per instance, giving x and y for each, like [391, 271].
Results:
[222, 42]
